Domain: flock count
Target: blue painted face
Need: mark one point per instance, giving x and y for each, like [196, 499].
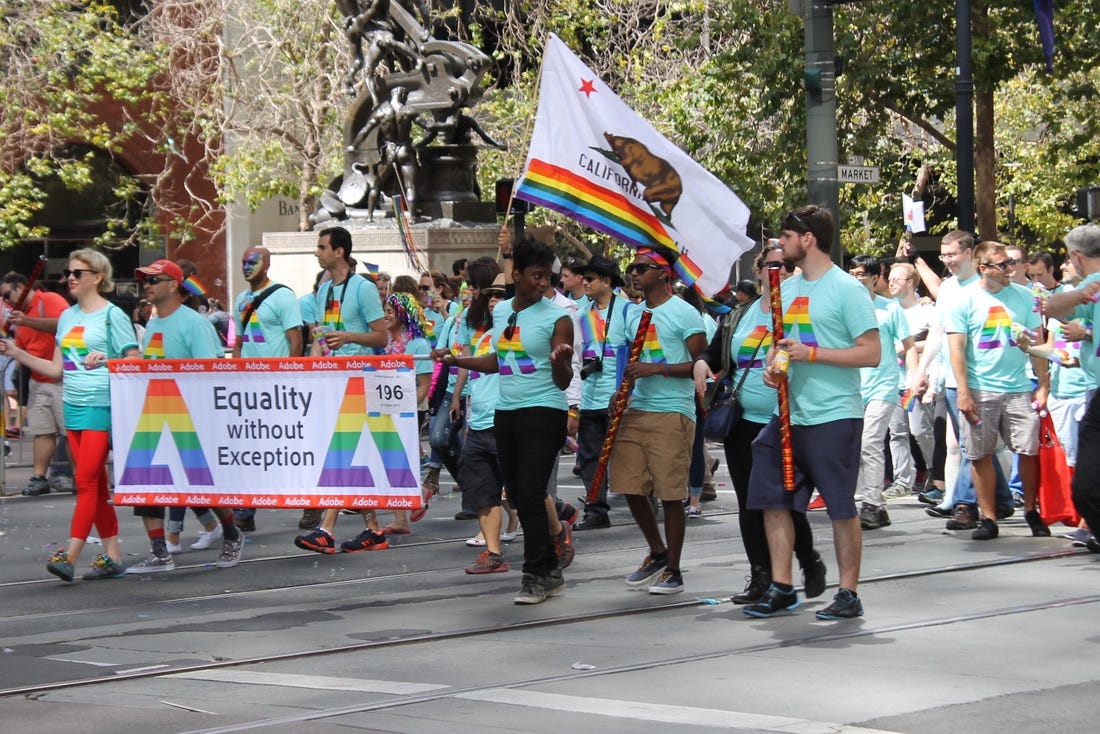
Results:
[251, 264]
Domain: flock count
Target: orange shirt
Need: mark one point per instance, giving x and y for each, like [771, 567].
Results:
[43, 305]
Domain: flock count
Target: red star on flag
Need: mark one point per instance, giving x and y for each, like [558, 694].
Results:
[587, 87]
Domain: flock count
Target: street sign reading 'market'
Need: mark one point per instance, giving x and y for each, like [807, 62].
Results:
[857, 174]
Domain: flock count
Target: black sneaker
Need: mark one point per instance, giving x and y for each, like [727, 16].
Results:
[872, 517]
[651, 567]
[245, 524]
[1093, 545]
[465, 515]
[563, 545]
[773, 603]
[1005, 511]
[319, 541]
[965, 517]
[593, 521]
[554, 584]
[532, 590]
[937, 511]
[38, 485]
[1038, 528]
[813, 575]
[846, 605]
[755, 587]
[988, 530]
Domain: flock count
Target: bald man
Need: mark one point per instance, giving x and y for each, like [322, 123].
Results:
[269, 324]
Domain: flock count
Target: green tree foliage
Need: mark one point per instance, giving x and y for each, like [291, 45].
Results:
[59, 61]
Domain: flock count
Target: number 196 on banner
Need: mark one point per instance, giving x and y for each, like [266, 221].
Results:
[391, 391]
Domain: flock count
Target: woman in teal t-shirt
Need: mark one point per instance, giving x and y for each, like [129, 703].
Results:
[533, 342]
[88, 334]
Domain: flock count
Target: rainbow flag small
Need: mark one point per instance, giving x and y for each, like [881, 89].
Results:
[193, 286]
[401, 216]
[908, 400]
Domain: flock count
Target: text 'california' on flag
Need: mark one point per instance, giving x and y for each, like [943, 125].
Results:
[596, 161]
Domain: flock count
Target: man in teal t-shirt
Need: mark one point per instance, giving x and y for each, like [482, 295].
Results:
[879, 389]
[829, 331]
[994, 393]
[652, 452]
[274, 321]
[349, 311]
[1083, 246]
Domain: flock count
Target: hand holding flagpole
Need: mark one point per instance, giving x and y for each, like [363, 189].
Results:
[780, 365]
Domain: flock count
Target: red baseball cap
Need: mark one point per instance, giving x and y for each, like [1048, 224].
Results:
[160, 267]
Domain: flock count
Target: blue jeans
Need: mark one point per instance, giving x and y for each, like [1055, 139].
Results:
[964, 484]
[445, 437]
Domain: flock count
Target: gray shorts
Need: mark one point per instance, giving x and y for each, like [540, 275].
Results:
[45, 412]
[479, 472]
[1008, 415]
[826, 457]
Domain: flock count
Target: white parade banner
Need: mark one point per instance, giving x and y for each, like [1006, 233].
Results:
[285, 432]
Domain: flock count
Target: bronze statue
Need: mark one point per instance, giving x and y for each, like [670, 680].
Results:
[402, 73]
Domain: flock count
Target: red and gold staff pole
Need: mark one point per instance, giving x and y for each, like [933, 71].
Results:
[24, 300]
[618, 407]
[780, 364]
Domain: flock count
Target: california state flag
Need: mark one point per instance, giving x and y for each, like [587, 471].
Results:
[596, 161]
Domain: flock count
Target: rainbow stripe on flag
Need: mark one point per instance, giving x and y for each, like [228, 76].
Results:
[908, 400]
[193, 285]
[164, 406]
[602, 209]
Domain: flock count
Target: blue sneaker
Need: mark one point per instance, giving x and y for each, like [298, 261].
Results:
[774, 603]
[104, 567]
[667, 583]
[846, 605]
[60, 565]
[651, 567]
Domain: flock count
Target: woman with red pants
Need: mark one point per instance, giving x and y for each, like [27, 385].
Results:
[88, 334]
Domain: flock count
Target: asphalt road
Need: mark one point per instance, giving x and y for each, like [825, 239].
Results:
[958, 636]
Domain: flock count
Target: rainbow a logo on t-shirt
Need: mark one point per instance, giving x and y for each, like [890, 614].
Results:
[997, 330]
[252, 332]
[73, 349]
[797, 324]
[514, 348]
[332, 313]
[155, 349]
[651, 347]
[483, 344]
[594, 333]
[758, 341]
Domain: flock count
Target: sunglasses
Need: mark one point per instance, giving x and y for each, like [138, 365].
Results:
[1002, 266]
[6, 295]
[77, 273]
[425, 288]
[789, 267]
[590, 278]
[640, 268]
[510, 327]
[155, 280]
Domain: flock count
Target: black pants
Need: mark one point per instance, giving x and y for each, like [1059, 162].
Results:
[528, 440]
[1086, 477]
[738, 449]
[591, 432]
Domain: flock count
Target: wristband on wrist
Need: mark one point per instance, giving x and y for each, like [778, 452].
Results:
[813, 355]
[668, 370]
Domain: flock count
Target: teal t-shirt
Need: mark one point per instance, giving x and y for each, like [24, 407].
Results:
[881, 382]
[265, 333]
[86, 393]
[994, 362]
[185, 334]
[673, 322]
[524, 359]
[754, 329]
[1089, 314]
[349, 306]
[830, 313]
[482, 387]
[606, 341]
[1067, 382]
[447, 337]
[307, 304]
[950, 291]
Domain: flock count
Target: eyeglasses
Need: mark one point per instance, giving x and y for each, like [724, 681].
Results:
[640, 268]
[155, 280]
[857, 273]
[949, 256]
[6, 295]
[777, 264]
[510, 327]
[425, 288]
[77, 273]
[1003, 265]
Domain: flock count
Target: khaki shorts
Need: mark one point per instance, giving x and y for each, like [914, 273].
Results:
[652, 455]
[45, 413]
[1008, 415]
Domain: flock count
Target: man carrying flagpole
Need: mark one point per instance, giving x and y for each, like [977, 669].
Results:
[830, 331]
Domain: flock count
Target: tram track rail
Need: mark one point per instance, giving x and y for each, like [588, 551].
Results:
[149, 672]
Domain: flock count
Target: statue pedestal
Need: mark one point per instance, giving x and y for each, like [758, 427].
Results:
[294, 260]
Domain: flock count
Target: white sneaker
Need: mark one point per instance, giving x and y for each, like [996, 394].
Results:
[207, 538]
[173, 548]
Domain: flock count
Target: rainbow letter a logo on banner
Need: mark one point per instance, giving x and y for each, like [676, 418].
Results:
[164, 406]
[338, 470]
